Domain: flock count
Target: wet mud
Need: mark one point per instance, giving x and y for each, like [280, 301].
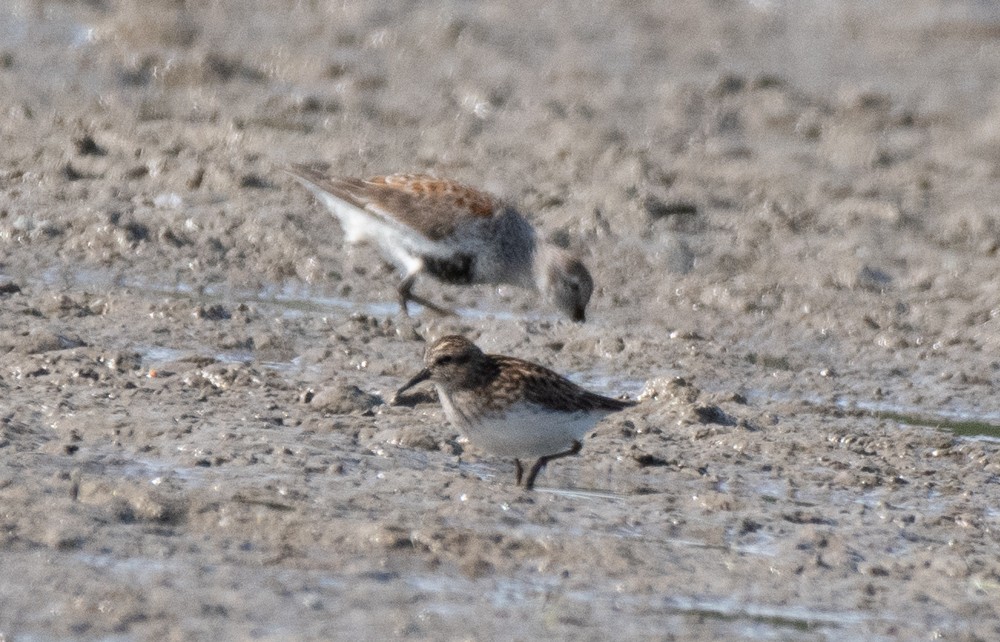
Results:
[790, 212]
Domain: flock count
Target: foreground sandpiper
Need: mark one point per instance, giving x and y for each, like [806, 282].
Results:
[511, 407]
[452, 232]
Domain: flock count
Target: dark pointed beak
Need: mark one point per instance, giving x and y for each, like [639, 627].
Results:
[420, 377]
[579, 315]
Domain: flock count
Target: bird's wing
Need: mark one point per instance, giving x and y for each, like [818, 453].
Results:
[434, 207]
[542, 386]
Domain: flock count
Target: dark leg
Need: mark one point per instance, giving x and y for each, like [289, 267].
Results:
[403, 291]
[406, 295]
[528, 485]
[519, 472]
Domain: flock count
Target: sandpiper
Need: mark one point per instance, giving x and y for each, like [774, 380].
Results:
[511, 407]
[455, 233]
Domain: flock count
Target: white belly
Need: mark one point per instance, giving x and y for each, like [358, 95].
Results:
[524, 431]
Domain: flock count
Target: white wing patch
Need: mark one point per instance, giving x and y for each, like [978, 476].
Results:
[398, 242]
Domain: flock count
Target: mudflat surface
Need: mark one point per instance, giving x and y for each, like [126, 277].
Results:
[790, 211]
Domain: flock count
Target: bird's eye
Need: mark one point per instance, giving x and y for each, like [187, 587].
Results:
[457, 359]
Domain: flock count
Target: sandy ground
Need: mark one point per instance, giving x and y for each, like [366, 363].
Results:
[791, 212]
